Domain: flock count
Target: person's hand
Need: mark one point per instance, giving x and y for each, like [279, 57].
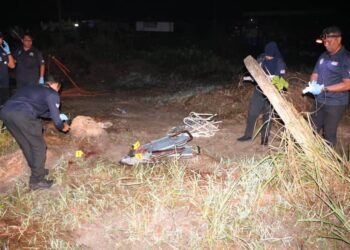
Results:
[63, 117]
[41, 80]
[66, 127]
[314, 88]
[6, 47]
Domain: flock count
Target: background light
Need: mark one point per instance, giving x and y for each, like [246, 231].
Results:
[319, 41]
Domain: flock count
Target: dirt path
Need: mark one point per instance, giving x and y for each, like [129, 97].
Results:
[138, 117]
[134, 119]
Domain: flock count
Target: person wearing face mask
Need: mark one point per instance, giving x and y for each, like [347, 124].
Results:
[30, 64]
[330, 85]
[273, 64]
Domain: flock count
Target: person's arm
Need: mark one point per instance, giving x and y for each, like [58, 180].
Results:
[41, 62]
[11, 63]
[313, 77]
[281, 67]
[6, 48]
[53, 102]
[42, 70]
[339, 87]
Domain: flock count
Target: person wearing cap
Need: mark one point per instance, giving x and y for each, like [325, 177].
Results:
[6, 62]
[329, 83]
[273, 64]
[22, 115]
[30, 64]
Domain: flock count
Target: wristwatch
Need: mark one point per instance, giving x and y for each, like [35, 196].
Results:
[324, 89]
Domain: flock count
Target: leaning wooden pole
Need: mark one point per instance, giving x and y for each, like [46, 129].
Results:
[293, 121]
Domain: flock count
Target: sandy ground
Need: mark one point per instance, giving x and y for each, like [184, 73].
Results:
[130, 118]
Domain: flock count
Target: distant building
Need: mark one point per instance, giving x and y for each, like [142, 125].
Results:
[155, 26]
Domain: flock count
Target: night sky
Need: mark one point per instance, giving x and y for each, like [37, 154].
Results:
[22, 12]
[303, 19]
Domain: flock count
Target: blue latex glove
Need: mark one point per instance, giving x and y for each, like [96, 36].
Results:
[41, 80]
[6, 47]
[314, 88]
[63, 117]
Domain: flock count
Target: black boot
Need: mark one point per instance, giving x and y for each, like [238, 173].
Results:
[46, 171]
[43, 184]
[244, 138]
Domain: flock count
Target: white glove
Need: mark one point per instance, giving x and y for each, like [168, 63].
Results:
[314, 88]
[41, 80]
[63, 117]
[6, 47]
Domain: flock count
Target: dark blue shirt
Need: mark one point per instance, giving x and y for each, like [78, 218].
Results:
[4, 71]
[36, 101]
[275, 66]
[332, 69]
[27, 66]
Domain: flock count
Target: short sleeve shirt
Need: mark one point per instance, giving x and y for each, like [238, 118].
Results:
[332, 69]
[27, 65]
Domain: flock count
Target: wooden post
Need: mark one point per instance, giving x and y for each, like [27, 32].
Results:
[293, 121]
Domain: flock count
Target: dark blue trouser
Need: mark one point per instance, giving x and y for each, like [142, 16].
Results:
[28, 133]
[328, 117]
[258, 104]
[4, 95]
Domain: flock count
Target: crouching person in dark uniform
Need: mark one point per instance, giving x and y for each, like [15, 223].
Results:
[21, 114]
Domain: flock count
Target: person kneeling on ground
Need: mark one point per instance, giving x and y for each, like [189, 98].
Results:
[21, 114]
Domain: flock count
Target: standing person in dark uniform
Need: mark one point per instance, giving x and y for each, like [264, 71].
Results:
[30, 64]
[273, 64]
[6, 62]
[21, 115]
[330, 82]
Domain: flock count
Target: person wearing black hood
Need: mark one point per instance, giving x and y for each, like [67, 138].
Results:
[273, 64]
[22, 115]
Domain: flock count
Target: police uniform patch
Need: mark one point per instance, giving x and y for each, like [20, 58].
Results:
[334, 63]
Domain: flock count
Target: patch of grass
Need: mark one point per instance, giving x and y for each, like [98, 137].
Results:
[281, 201]
[163, 204]
[7, 143]
[317, 188]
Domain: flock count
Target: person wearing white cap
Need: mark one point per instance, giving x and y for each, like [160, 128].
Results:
[330, 84]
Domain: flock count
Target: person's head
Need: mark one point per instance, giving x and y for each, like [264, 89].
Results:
[332, 39]
[53, 83]
[271, 50]
[27, 41]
